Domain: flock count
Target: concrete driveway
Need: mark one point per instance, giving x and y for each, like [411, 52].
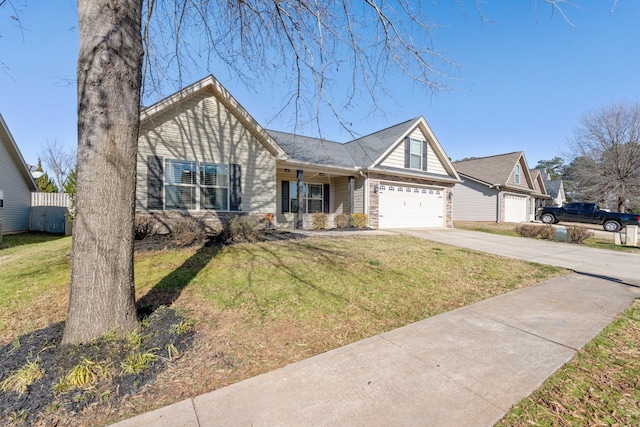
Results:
[607, 264]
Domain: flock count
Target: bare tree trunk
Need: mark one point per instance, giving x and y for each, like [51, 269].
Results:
[102, 294]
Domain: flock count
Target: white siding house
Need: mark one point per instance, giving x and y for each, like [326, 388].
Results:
[16, 185]
[201, 154]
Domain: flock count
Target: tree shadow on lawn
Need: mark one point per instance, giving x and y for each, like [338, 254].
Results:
[169, 289]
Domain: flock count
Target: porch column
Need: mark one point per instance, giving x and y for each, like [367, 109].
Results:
[300, 194]
[350, 194]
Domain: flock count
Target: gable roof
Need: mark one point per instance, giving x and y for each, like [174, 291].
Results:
[212, 85]
[536, 176]
[361, 153]
[494, 170]
[369, 149]
[309, 150]
[16, 156]
[553, 186]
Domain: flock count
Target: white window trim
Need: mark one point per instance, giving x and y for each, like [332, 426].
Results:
[197, 186]
[412, 153]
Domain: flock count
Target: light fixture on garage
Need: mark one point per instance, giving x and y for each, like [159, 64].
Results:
[375, 188]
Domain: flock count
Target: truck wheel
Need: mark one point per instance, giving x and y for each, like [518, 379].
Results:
[548, 218]
[611, 226]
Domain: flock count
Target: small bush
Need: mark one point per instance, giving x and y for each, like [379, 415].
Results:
[547, 232]
[188, 230]
[320, 221]
[360, 220]
[142, 228]
[578, 234]
[342, 220]
[527, 230]
[241, 229]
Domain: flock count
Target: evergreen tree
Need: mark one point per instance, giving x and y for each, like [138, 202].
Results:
[44, 183]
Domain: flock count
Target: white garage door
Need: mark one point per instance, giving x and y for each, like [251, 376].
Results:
[515, 208]
[408, 206]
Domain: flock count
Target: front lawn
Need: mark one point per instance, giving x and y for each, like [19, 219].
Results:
[599, 386]
[257, 307]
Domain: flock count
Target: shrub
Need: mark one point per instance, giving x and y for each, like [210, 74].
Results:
[241, 229]
[187, 230]
[320, 221]
[547, 232]
[578, 234]
[342, 220]
[142, 228]
[527, 230]
[360, 220]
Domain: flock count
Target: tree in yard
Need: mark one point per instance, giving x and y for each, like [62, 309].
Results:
[312, 39]
[310, 44]
[58, 160]
[44, 183]
[606, 147]
[69, 188]
[555, 167]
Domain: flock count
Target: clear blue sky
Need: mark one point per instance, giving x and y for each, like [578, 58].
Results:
[526, 77]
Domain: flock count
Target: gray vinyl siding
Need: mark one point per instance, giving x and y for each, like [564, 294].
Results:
[474, 202]
[395, 159]
[17, 194]
[340, 200]
[358, 199]
[202, 129]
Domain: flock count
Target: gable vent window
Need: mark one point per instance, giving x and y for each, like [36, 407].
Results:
[516, 174]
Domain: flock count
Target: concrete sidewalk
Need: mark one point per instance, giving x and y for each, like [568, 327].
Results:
[464, 367]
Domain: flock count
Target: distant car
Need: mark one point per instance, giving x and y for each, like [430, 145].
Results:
[587, 213]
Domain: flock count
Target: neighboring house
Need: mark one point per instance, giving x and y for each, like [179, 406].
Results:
[555, 189]
[201, 153]
[16, 185]
[496, 188]
[539, 197]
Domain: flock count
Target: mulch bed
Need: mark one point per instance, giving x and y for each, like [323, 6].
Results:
[41, 404]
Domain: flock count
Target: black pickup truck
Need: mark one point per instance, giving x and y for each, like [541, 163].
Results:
[588, 213]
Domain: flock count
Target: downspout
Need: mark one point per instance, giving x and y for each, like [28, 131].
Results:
[499, 198]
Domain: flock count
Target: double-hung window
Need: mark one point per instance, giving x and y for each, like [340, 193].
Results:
[214, 186]
[415, 154]
[180, 184]
[516, 174]
[415, 147]
[312, 197]
[315, 197]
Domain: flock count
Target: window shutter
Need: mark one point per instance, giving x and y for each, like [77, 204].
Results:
[285, 196]
[424, 155]
[235, 178]
[325, 201]
[407, 153]
[154, 182]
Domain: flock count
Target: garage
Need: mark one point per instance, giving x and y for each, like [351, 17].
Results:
[515, 208]
[410, 206]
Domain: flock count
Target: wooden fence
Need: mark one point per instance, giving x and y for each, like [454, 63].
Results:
[50, 212]
[50, 199]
